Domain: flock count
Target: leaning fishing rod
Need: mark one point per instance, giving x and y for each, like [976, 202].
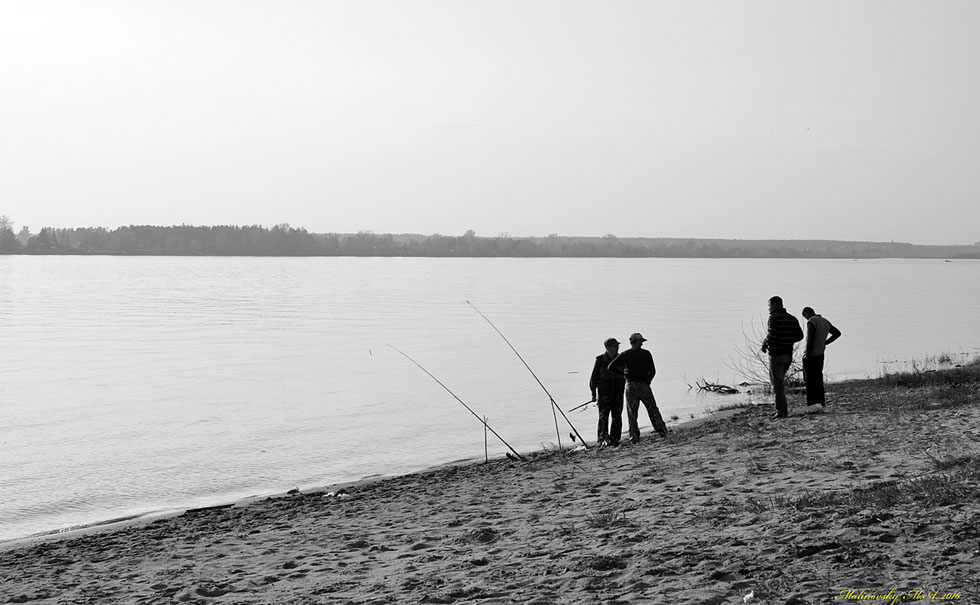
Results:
[554, 406]
[482, 421]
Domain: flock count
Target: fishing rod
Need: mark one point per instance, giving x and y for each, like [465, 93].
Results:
[482, 421]
[578, 407]
[554, 406]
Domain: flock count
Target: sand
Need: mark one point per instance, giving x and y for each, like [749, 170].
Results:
[876, 495]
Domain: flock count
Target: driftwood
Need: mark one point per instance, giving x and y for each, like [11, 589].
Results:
[723, 389]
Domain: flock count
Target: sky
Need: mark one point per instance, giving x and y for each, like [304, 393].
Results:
[777, 119]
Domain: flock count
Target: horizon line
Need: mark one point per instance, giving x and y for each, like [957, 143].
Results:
[501, 235]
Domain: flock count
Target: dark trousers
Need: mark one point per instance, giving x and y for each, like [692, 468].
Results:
[813, 379]
[610, 409]
[778, 366]
[637, 392]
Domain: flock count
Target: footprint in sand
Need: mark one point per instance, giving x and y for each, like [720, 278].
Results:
[206, 590]
[483, 535]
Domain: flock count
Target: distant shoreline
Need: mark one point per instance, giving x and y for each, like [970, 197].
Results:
[164, 255]
[283, 240]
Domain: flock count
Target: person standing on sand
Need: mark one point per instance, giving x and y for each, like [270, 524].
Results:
[609, 387]
[636, 364]
[783, 332]
[817, 331]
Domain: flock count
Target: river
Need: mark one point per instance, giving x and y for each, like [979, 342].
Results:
[130, 385]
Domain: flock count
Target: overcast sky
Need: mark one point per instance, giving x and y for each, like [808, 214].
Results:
[855, 120]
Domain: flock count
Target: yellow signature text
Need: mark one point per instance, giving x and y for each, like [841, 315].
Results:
[896, 596]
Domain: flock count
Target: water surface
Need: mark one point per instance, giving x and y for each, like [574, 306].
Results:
[135, 384]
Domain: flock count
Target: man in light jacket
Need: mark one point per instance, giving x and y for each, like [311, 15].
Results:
[819, 334]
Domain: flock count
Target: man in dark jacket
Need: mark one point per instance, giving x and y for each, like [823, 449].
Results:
[609, 387]
[783, 332]
[636, 364]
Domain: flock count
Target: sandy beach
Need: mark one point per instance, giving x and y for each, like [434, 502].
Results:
[875, 498]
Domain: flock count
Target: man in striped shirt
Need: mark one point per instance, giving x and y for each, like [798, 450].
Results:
[783, 332]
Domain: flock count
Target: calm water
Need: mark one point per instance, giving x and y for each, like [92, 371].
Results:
[130, 385]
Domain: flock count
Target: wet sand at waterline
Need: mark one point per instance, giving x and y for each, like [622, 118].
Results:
[879, 492]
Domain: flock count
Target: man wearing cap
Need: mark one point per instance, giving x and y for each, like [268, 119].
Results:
[636, 364]
[609, 387]
[819, 333]
[783, 332]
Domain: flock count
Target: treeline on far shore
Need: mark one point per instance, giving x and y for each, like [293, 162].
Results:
[283, 240]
